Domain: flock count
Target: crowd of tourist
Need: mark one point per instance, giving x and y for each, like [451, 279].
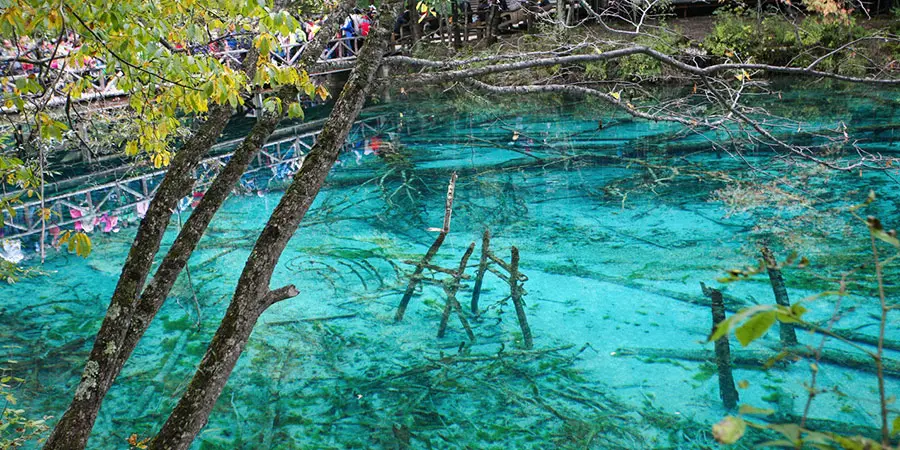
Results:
[18, 57]
[25, 55]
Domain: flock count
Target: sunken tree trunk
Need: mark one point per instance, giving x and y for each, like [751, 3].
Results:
[102, 367]
[727, 391]
[253, 295]
[786, 330]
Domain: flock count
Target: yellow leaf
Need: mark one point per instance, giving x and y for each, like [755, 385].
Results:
[729, 430]
[321, 92]
[752, 410]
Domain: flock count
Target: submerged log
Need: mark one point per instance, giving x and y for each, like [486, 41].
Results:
[735, 304]
[758, 358]
[727, 390]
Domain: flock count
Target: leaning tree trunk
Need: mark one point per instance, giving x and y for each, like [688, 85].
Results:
[253, 295]
[193, 229]
[176, 258]
[73, 429]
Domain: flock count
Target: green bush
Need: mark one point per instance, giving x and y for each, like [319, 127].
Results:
[639, 67]
[779, 41]
[733, 34]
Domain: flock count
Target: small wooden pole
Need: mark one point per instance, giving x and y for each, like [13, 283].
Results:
[415, 31]
[454, 11]
[482, 268]
[417, 273]
[451, 286]
[515, 291]
[727, 390]
[786, 330]
[493, 21]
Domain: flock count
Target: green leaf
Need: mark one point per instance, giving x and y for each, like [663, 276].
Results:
[295, 111]
[721, 329]
[754, 327]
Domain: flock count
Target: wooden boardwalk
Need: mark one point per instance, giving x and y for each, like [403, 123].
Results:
[126, 197]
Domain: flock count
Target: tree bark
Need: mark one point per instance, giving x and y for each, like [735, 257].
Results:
[73, 429]
[454, 11]
[415, 31]
[253, 295]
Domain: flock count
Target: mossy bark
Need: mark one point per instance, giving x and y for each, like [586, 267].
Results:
[253, 295]
[103, 365]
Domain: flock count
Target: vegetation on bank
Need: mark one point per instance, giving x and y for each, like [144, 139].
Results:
[851, 45]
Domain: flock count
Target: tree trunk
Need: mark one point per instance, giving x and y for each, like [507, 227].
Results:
[73, 429]
[193, 229]
[492, 23]
[252, 295]
[561, 13]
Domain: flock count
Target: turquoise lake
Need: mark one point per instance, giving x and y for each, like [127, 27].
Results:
[613, 242]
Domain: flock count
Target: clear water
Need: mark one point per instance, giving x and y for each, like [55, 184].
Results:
[610, 277]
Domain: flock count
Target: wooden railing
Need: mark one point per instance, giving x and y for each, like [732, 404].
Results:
[125, 198]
